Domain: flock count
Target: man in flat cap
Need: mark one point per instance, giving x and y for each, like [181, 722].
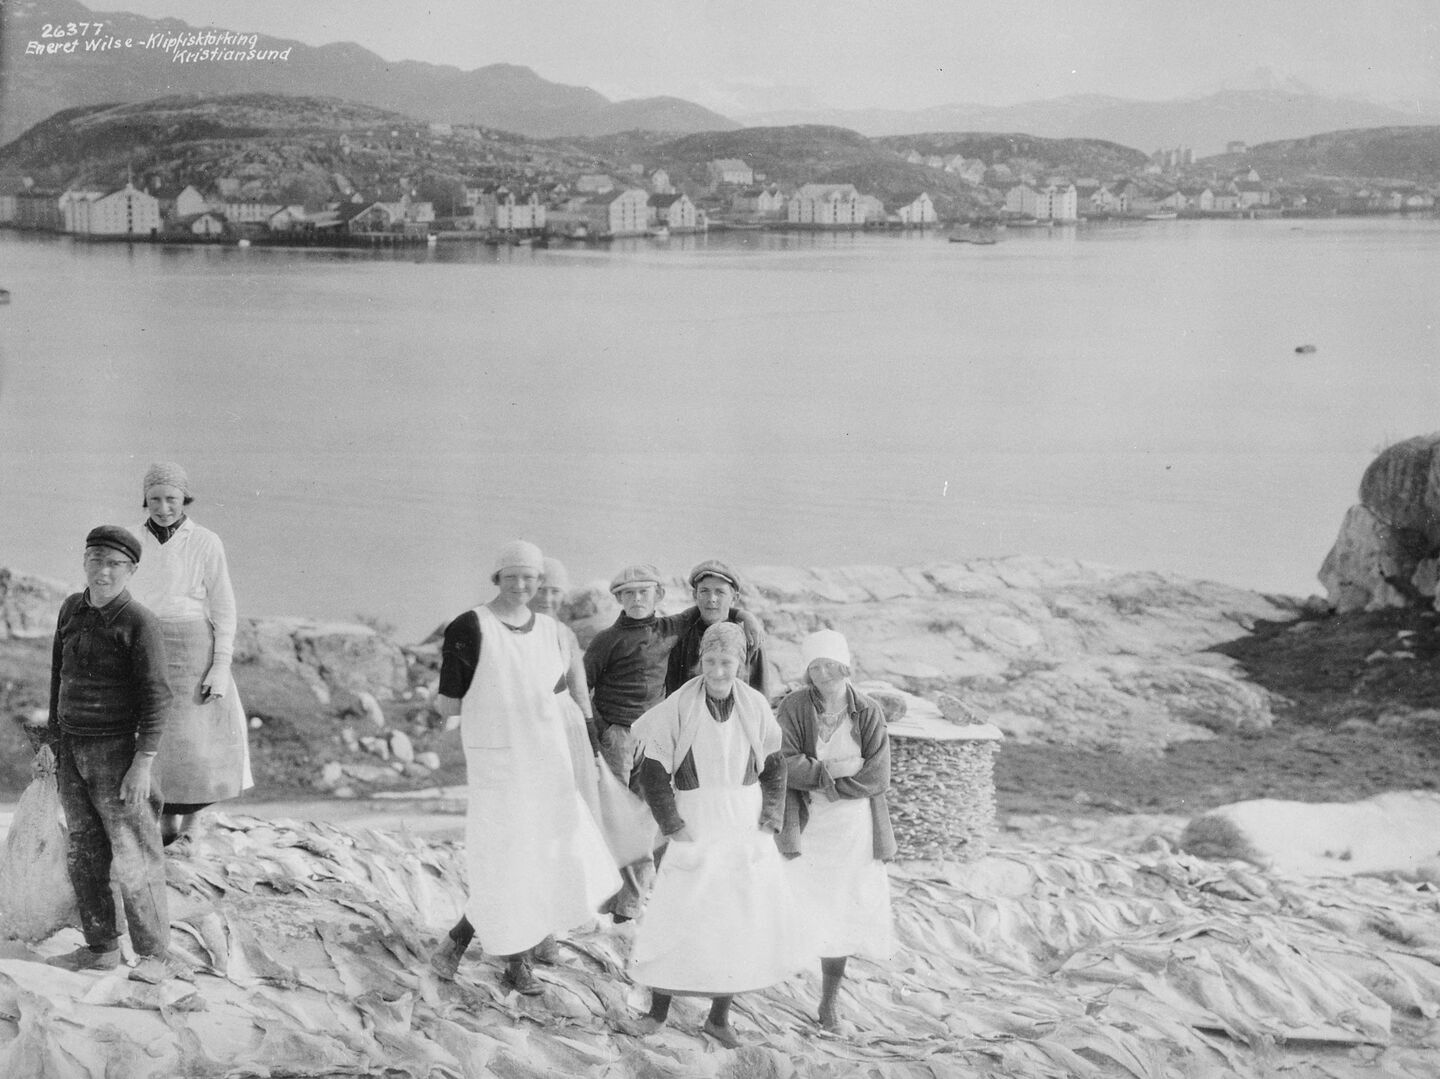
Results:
[715, 588]
[108, 704]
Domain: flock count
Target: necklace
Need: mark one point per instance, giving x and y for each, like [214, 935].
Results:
[827, 722]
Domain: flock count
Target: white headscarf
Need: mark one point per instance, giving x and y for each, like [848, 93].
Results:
[825, 644]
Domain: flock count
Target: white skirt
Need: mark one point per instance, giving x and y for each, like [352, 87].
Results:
[720, 919]
[840, 885]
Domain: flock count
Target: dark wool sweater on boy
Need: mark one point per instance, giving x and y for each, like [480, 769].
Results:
[625, 666]
[107, 672]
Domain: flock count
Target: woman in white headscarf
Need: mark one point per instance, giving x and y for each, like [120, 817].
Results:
[720, 920]
[837, 834]
[184, 580]
[537, 862]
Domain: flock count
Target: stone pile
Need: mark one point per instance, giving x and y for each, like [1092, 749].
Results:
[942, 797]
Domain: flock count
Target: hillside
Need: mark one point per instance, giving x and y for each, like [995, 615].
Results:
[296, 149]
[805, 154]
[508, 97]
[1066, 157]
[1381, 153]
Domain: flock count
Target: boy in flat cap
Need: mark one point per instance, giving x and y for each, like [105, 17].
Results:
[626, 666]
[715, 588]
[108, 704]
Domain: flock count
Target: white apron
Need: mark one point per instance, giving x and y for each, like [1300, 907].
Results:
[536, 861]
[840, 885]
[720, 918]
[582, 757]
[204, 753]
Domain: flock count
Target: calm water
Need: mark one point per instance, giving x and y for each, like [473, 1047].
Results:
[363, 431]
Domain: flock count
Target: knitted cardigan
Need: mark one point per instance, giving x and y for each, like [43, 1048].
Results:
[807, 776]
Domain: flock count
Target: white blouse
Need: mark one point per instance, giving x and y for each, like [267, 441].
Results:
[187, 578]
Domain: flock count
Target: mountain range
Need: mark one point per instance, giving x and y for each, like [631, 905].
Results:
[513, 98]
[1206, 123]
[507, 97]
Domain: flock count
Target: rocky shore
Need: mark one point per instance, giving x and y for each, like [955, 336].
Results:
[1053, 652]
[1088, 942]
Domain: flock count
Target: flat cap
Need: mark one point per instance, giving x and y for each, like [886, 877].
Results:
[117, 539]
[712, 567]
[637, 573]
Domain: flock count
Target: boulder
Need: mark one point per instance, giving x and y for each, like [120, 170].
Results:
[1373, 565]
[1385, 554]
[29, 605]
[1402, 486]
[331, 657]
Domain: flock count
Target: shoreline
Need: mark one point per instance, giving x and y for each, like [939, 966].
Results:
[543, 238]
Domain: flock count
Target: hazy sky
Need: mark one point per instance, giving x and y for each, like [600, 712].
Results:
[747, 55]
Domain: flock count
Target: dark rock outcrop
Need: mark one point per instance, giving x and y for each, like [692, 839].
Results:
[1386, 552]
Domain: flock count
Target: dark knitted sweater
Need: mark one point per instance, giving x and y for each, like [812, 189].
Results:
[107, 672]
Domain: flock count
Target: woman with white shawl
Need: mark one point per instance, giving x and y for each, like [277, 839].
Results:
[720, 920]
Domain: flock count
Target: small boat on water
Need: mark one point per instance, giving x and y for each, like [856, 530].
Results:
[661, 233]
[4, 295]
[1162, 215]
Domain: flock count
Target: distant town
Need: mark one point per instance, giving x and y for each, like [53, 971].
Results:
[534, 205]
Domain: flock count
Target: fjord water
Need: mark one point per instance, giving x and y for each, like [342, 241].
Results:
[364, 430]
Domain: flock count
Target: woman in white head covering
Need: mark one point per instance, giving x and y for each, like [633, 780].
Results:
[537, 861]
[183, 578]
[720, 920]
[837, 834]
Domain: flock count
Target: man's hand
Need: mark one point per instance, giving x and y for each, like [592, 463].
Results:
[844, 767]
[682, 836]
[135, 787]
